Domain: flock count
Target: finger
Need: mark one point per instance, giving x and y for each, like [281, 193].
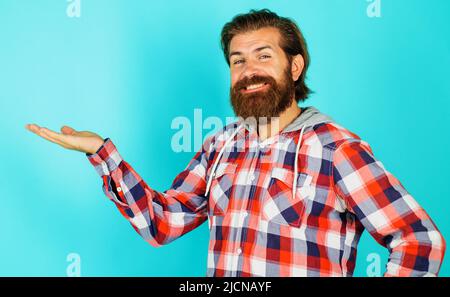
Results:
[51, 139]
[40, 132]
[33, 128]
[56, 136]
[68, 130]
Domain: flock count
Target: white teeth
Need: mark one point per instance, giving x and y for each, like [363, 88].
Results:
[252, 87]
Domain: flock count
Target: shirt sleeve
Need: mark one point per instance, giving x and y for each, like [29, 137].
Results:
[159, 217]
[387, 211]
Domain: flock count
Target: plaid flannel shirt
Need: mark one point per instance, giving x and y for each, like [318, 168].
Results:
[257, 227]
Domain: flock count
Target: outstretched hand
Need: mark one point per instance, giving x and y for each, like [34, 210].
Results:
[69, 138]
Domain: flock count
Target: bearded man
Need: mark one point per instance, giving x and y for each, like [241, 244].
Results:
[286, 190]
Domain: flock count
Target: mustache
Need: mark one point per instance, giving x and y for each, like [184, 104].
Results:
[246, 81]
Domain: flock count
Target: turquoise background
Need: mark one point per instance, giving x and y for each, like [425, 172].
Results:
[126, 69]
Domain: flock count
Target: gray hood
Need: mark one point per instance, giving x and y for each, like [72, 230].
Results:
[309, 116]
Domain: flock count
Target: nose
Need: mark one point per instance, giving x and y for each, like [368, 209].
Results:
[250, 70]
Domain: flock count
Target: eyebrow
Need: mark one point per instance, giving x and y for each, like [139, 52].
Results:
[255, 50]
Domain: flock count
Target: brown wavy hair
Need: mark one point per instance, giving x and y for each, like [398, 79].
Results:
[292, 41]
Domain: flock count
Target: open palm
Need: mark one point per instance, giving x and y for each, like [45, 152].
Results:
[69, 138]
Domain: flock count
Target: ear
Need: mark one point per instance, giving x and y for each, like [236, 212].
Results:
[297, 66]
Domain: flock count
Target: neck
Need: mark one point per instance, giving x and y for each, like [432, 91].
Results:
[277, 124]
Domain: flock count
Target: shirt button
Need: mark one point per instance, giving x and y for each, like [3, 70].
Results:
[252, 177]
[264, 149]
[239, 251]
[119, 189]
[245, 214]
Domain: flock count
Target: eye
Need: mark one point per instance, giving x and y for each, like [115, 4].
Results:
[238, 62]
[264, 57]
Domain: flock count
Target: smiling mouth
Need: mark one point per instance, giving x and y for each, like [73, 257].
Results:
[254, 88]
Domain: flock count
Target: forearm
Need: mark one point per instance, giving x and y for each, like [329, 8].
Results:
[416, 250]
[158, 217]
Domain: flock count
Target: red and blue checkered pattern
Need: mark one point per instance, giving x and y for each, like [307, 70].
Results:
[257, 228]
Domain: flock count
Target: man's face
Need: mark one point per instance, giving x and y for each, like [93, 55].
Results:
[261, 81]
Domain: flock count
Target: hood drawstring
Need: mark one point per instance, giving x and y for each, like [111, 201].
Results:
[294, 183]
[216, 162]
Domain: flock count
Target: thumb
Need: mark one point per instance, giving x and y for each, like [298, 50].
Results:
[68, 130]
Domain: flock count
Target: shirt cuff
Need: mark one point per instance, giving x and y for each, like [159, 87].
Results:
[106, 159]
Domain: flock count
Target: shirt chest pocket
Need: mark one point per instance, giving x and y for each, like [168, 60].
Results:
[279, 205]
[221, 187]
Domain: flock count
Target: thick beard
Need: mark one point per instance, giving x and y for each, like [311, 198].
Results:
[263, 104]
